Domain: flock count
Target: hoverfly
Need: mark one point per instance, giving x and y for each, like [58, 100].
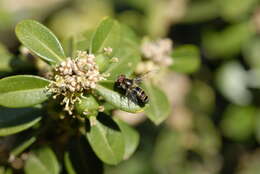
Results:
[130, 88]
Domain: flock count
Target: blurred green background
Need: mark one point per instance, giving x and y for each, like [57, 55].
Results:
[214, 127]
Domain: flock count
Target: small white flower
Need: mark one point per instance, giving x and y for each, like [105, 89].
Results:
[158, 51]
[72, 77]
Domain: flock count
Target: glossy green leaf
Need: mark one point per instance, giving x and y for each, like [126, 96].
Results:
[106, 140]
[186, 59]
[22, 91]
[16, 120]
[107, 35]
[158, 108]
[80, 158]
[118, 100]
[40, 40]
[42, 161]
[131, 138]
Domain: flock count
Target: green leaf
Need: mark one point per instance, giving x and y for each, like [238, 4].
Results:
[22, 91]
[23, 146]
[87, 104]
[158, 108]
[128, 60]
[235, 10]
[227, 43]
[5, 59]
[42, 161]
[117, 100]
[238, 122]
[80, 158]
[106, 139]
[107, 35]
[16, 120]
[200, 11]
[40, 40]
[186, 59]
[131, 138]
[128, 55]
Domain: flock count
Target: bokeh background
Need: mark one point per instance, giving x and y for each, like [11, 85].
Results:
[214, 126]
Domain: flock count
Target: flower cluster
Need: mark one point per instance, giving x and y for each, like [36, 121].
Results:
[158, 51]
[72, 77]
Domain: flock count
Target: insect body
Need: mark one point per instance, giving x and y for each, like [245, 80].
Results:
[130, 88]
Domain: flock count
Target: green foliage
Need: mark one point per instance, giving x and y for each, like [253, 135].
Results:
[238, 122]
[119, 101]
[22, 91]
[131, 138]
[106, 140]
[89, 105]
[158, 108]
[231, 38]
[40, 40]
[90, 132]
[107, 35]
[186, 59]
[42, 161]
[16, 120]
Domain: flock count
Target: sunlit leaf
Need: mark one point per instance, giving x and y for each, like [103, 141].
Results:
[128, 59]
[22, 91]
[40, 40]
[107, 35]
[106, 140]
[131, 138]
[118, 100]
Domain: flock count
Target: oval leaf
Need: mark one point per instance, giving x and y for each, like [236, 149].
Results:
[131, 138]
[16, 120]
[40, 40]
[186, 59]
[117, 100]
[22, 91]
[106, 140]
[158, 108]
[42, 161]
[107, 35]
